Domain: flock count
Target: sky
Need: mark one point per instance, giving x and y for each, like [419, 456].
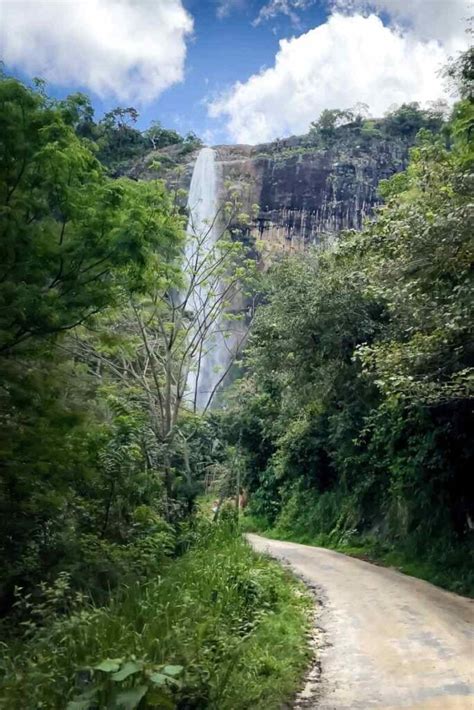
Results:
[236, 71]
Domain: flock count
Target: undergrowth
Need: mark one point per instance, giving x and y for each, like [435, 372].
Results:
[222, 628]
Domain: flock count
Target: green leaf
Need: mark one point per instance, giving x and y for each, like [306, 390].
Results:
[173, 670]
[130, 699]
[109, 665]
[84, 701]
[160, 679]
[127, 669]
[80, 704]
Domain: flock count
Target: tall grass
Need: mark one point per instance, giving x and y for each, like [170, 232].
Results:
[223, 628]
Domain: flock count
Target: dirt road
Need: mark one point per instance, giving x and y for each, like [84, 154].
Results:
[388, 641]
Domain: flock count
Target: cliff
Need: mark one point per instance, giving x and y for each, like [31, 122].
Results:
[307, 188]
[308, 194]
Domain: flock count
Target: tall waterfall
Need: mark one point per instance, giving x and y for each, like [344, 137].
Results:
[203, 231]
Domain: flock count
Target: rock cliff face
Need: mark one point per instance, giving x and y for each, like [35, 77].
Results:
[305, 194]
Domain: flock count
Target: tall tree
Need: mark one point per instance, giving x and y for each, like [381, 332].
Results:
[73, 244]
[69, 237]
[157, 345]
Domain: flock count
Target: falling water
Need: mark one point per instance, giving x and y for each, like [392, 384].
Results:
[203, 207]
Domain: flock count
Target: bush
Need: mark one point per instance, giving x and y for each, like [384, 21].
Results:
[222, 627]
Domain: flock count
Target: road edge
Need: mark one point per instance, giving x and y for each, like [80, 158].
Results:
[313, 687]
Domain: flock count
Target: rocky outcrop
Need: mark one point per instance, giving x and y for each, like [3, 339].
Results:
[305, 194]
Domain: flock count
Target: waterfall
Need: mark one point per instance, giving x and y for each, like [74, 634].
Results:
[202, 226]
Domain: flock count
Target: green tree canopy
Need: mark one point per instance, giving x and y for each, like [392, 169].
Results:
[70, 237]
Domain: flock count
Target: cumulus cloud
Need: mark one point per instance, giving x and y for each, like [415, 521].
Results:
[123, 48]
[348, 59]
[444, 20]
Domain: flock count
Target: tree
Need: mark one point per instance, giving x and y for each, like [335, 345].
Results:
[459, 73]
[120, 118]
[74, 245]
[355, 412]
[419, 263]
[158, 343]
[409, 118]
[118, 141]
[69, 236]
[324, 129]
[160, 137]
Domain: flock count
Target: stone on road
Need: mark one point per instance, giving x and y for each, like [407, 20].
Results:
[389, 641]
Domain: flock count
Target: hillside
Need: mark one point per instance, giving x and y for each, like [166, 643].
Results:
[165, 388]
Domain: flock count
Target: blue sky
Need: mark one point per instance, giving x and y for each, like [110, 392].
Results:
[225, 50]
[235, 70]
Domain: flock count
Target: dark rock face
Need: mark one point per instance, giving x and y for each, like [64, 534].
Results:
[305, 194]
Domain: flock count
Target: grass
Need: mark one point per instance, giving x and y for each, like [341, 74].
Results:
[230, 624]
[441, 565]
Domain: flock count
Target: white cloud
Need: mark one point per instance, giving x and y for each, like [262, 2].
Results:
[226, 7]
[282, 7]
[129, 49]
[444, 20]
[348, 59]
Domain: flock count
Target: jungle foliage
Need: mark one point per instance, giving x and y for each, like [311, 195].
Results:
[350, 424]
[115, 138]
[219, 628]
[77, 484]
[114, 593]
[336, 126]
[354, 417]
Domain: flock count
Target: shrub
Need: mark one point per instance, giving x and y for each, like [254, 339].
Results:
[222, 627]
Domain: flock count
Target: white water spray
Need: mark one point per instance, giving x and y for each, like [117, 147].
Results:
[203, 232]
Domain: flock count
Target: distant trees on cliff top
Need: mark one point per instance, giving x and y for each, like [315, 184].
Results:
[401, 122]
[118, 142]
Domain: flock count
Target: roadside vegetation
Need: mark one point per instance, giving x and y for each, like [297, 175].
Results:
[115, 592]
[353, 420]
[220, 627]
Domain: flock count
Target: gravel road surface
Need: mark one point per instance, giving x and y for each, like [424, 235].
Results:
[386, 640]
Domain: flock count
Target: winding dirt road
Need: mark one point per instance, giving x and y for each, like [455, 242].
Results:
[387, 640]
